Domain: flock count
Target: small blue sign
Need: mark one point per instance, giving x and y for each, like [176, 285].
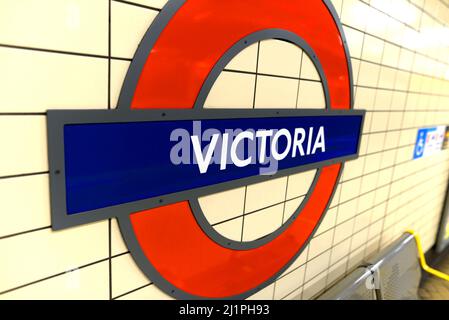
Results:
[429, 141]
[420, 144]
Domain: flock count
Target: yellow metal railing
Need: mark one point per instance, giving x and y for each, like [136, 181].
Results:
[422, 259]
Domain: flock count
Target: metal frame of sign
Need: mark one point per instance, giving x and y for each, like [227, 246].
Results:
[57, 119]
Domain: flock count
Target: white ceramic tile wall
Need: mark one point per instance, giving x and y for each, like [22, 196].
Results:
[74, 59]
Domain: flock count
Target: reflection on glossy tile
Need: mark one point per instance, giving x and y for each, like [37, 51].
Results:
[261, 223]
[24, 204]
[36, 81]
[279, 58]
[129, 24]
[274, 92]
[36, 255]
[25, 142]
[126, 275]
[223, 206]
[232, 90]
[87, 283]
[66, 25]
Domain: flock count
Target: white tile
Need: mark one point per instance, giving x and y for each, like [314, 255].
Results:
[359, 239]
[150, 292]
[369, 74]
[300, 261]
[291, 207]
[347, 211]
[356, 258]
[328, 221]
[289, 283]
[317, 266]
[24, 204]
[37, 255]
[299, 184]
[262, 223]
[372, 49]
[354, 13]
[275, 92]
[264, 294]
[34, 81]
[320, 244]
[231, 229]
[353, 169]
[308, 69]
[126, 275]
[66, 25]
[340, 250]
[232, 90]
[128, 26]
[88, 283]
[311, 95]
[159, 4]
[265, 194]
[343, 231]
[245, 60]
[24, 145]
[119, 68]
[223, 206]
[314, 287]
[279, 57]
[336, 272]
[295, 295]
[350, 190]
[355, 41]
[118, 245]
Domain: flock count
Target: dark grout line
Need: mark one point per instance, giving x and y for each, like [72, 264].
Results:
[52, 276]
[132, 291]
[62, 273]
[80, 54]
[24, 175]
[23, 113]
[270, 75]
[135, 4]
[255, 211]
[24, 232]
[256, 74]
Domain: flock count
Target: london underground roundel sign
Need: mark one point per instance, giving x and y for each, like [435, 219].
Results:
[129, 163]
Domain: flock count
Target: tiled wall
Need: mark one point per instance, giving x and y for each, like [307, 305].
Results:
[69, 54]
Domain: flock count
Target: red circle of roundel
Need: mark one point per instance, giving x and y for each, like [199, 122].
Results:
[192, 42]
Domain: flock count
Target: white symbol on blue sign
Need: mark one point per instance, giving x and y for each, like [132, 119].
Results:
[420, 144]
[429, 142]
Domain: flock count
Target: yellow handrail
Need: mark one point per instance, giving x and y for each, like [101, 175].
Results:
[422, 259]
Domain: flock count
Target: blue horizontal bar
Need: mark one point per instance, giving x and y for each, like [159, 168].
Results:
[109, 164]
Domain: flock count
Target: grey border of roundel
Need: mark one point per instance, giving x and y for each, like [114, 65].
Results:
[125, 99]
